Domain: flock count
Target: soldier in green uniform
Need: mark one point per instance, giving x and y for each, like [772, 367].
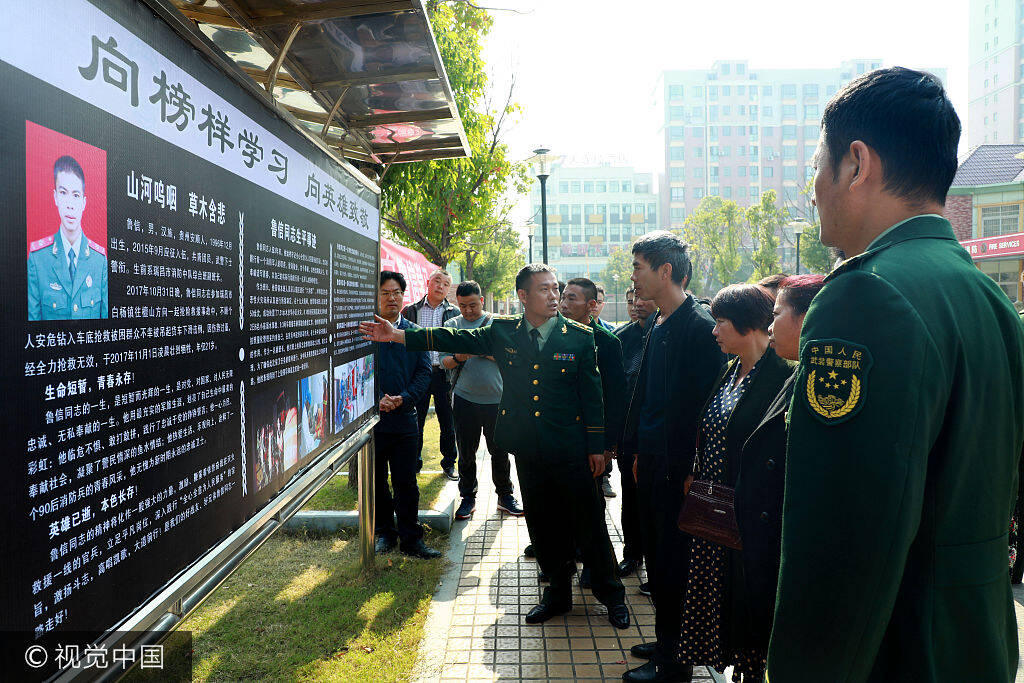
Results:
[551, 418]
[67, 272]
[907, 418]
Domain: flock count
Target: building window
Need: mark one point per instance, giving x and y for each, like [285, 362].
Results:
[726, 110]
[789, 111]
[810, 89]
[698, 172]
[698, 91]
[676, 173]
[1004, 272]
[613, 185]
[724, 151]
[789, 132]
[697, 112]
[753, 171]
[713, 113]
[575, 185]
[698, 193]
[678, 214]
[811, 132]
[627, 186]
[726, 172]
[740, 70]
[808, 172]
[725, 69]
[769, 172]
[753, 151]
[588, 187]
[741, 191]
[766, 90]
[741, 171]
[1000, 220]
[678, 194]
[676, 113]
[767, 110]
[714, 171]
[741, 90]
[811, 112]
[675, 132]
[675, 92]
[788, 90]
[789, 172]
[601, 186]
[563, 186]
[712, 92]
[727, 192]
[696, 132]
[726, 91]
[713, 133]
[789, 152]
[698, 152]
[674, 154]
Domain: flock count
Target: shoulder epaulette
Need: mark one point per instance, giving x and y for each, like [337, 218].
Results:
[501, 317]
[99, 249]
[41, 244]
[580, 326]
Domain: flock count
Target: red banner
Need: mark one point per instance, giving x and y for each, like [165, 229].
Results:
[991, 247]
[412, 264]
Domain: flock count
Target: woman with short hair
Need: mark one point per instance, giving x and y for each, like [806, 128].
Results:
[717, 627]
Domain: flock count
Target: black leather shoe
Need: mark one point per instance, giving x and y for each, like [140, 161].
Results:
[421, 550]
[643, 650]
[660, 674]
[544, 611]
[528, 551]
[384, 545]
[618, 616]
[585, 577]
[645, 588]
[628, 566]
[450, 473]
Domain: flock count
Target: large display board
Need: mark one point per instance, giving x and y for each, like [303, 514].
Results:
[184, 273]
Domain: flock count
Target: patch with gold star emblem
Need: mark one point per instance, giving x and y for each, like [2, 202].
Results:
[835, 379]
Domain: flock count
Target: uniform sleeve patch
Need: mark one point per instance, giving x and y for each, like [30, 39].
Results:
[834, 387]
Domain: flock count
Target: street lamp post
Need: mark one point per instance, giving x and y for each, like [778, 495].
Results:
[541, 163]
[798, 229]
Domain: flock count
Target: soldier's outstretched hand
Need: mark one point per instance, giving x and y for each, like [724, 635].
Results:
[381, 331]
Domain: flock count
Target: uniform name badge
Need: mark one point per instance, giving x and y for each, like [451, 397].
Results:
[835, 384]
[88, 280]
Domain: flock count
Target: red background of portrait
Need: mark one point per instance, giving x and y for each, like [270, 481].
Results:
[42, 148]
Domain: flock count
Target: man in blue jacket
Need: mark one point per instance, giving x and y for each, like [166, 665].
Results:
[402, 381]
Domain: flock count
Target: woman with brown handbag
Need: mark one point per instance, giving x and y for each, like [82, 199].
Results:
[716, 622]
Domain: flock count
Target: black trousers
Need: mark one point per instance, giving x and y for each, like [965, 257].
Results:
[565, 510]
[441, 392]
[668, 554]
[397, 452]
[632, 532]
[470, 420]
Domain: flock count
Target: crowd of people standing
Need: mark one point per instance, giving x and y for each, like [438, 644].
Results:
[803, 466]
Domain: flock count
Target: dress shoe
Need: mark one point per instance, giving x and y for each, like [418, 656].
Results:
[645, 588]
[421, 550]
[544, 611]
[643, 650]
[674, 673]
[384, 545]
[450, 473]
[466, 508]
[528, 551]
[606, 487]
[618, 616]
[510, 505]
[628, 566]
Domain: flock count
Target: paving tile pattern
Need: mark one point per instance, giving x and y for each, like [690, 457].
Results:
[475, 629]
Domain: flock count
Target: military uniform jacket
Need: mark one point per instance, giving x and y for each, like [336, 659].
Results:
[905, 430]
[613, 383]
[51, 293]
[551, 400]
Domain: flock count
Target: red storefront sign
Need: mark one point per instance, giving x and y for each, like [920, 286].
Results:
[992, 247]
[410, 263]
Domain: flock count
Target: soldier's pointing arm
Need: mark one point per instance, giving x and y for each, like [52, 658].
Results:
[478, 341]
[867, 406]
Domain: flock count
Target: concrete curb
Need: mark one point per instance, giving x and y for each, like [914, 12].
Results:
[439, 518]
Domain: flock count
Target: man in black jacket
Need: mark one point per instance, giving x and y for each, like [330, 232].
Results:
[402, 380]
[680, 363]
[434, 310]
[631, 336]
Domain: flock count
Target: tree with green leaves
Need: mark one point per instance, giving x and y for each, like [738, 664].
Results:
[766, 220]
[715, 231]
[815, 257]
[620, 263]
[495, 264]
[441, 208]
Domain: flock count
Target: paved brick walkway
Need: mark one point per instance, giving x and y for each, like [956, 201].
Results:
[475, 629]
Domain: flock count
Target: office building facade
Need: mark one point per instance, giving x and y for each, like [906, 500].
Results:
[995, 114]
